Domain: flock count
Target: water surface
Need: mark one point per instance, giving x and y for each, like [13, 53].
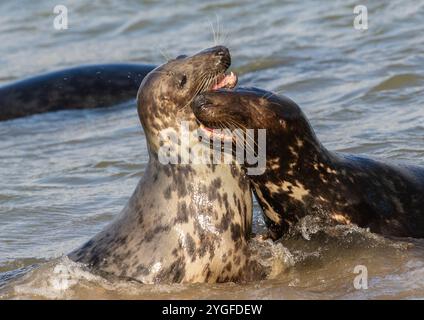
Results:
[65, 175]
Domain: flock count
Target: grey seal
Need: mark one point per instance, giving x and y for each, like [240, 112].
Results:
[303, 178]
[184, 222]
[80, 87]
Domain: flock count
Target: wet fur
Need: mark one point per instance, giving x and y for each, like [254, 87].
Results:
[183, 223]
[302, 177]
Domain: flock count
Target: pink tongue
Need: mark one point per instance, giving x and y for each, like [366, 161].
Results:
[229, 81]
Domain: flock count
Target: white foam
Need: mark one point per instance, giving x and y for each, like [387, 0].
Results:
[54, 280]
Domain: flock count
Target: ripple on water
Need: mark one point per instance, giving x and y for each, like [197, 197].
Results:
[399, 81]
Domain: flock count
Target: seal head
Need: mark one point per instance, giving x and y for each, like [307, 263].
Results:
[165, 94]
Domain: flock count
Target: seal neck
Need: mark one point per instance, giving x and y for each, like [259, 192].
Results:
[182, 145]
[295, 154]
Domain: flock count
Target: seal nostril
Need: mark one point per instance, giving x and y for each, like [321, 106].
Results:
[200, 102]
[224, 55]
[222, 51]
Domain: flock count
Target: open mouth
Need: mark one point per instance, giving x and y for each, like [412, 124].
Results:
[222, 81]
[225, 81]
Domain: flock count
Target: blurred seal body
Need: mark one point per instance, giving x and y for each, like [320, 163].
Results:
[82, 87]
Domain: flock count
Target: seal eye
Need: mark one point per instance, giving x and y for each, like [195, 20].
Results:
[183, 81]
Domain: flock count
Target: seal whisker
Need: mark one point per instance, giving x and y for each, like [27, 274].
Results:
[232, 126]
[213, 32]
[206, 80]
[218, 36]
[199, 88]
[241, 137]
[241, 126]
[224, 36]
[164, 54]
[226, 39]
[249, 147]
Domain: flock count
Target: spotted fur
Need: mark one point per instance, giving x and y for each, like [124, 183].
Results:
[184, 222]
[302, 177]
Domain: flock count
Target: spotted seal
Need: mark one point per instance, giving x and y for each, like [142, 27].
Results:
[184, 222]
[81, 87]
[302, 177]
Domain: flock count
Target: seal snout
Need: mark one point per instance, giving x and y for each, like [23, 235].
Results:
[224, 54]
[220, 54]
[221, 51]
[200, 102]
[214, 62]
